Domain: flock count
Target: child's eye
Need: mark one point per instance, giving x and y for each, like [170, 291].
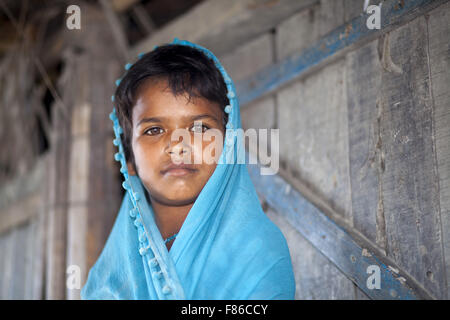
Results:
[152, 131]
[199, 128]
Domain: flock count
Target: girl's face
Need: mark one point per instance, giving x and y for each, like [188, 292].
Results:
[156, 114]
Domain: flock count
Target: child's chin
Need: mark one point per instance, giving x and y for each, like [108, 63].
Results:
[181, 198]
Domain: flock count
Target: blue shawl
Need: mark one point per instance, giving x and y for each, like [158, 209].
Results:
[227, 248]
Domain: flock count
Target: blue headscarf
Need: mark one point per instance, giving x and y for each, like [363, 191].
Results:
[227, 248]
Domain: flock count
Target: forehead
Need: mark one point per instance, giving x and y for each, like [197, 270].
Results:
[154, 98]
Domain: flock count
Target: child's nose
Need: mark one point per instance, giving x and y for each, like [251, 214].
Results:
[178, 149]
[179, 145]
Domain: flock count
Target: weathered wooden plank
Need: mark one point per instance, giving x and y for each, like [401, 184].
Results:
[304, 28]
[116, 28]
[20, 212]
[353, 8]
[352, 257]
[221, 25]
[76, 244]
[409, 180]
[19, 262]
[39, 254]
[14, 210]
[57, 223]
[439, 54]
[249, 58]
[78, 191]
[331, 15]
[3, 262]
[33, 271]
[313, 135]
[104, 189]
[84, 92]
[105, 194]
[330, 47]
[40, 244]
[56, 257]
[91, 196]
[30, 258]
[8, 267]
[17, 265]
[315, 276]
[49, 216]
[79, 184]
[78, 195]
[296, 33]
[365, 156]
[260, 114]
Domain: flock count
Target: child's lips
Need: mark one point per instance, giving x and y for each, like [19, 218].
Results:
[178, 170]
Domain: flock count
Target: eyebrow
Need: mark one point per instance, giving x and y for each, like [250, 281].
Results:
[203, 116]
[192, 118]
[144, 120]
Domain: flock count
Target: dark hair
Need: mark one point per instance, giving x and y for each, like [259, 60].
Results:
[186, 70]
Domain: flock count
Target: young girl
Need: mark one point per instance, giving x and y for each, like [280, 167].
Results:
[185, 229]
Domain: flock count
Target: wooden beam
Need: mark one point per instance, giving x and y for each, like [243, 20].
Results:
[14, 209]
[327, 49]
[20, 213]
[143, 19]
[438, 31]
[116, 28]
[223, 25]
[350, 252]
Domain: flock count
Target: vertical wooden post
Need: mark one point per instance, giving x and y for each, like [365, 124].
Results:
[57, 219]
[92, 189]
[78, 195]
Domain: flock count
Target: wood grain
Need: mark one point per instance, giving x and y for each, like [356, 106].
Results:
[409, 181]
[439, 56]
[365, 157]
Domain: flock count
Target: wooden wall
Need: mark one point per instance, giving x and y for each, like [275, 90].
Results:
[23, 235]
[364, 136]
[86, 188]
[364, 130]
[71, 199]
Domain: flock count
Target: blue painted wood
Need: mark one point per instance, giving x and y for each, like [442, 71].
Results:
[271, 78]
[333, 241]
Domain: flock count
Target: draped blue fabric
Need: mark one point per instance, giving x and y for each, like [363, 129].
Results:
[227, 248]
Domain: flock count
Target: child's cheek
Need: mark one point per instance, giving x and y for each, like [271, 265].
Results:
[146, 156]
